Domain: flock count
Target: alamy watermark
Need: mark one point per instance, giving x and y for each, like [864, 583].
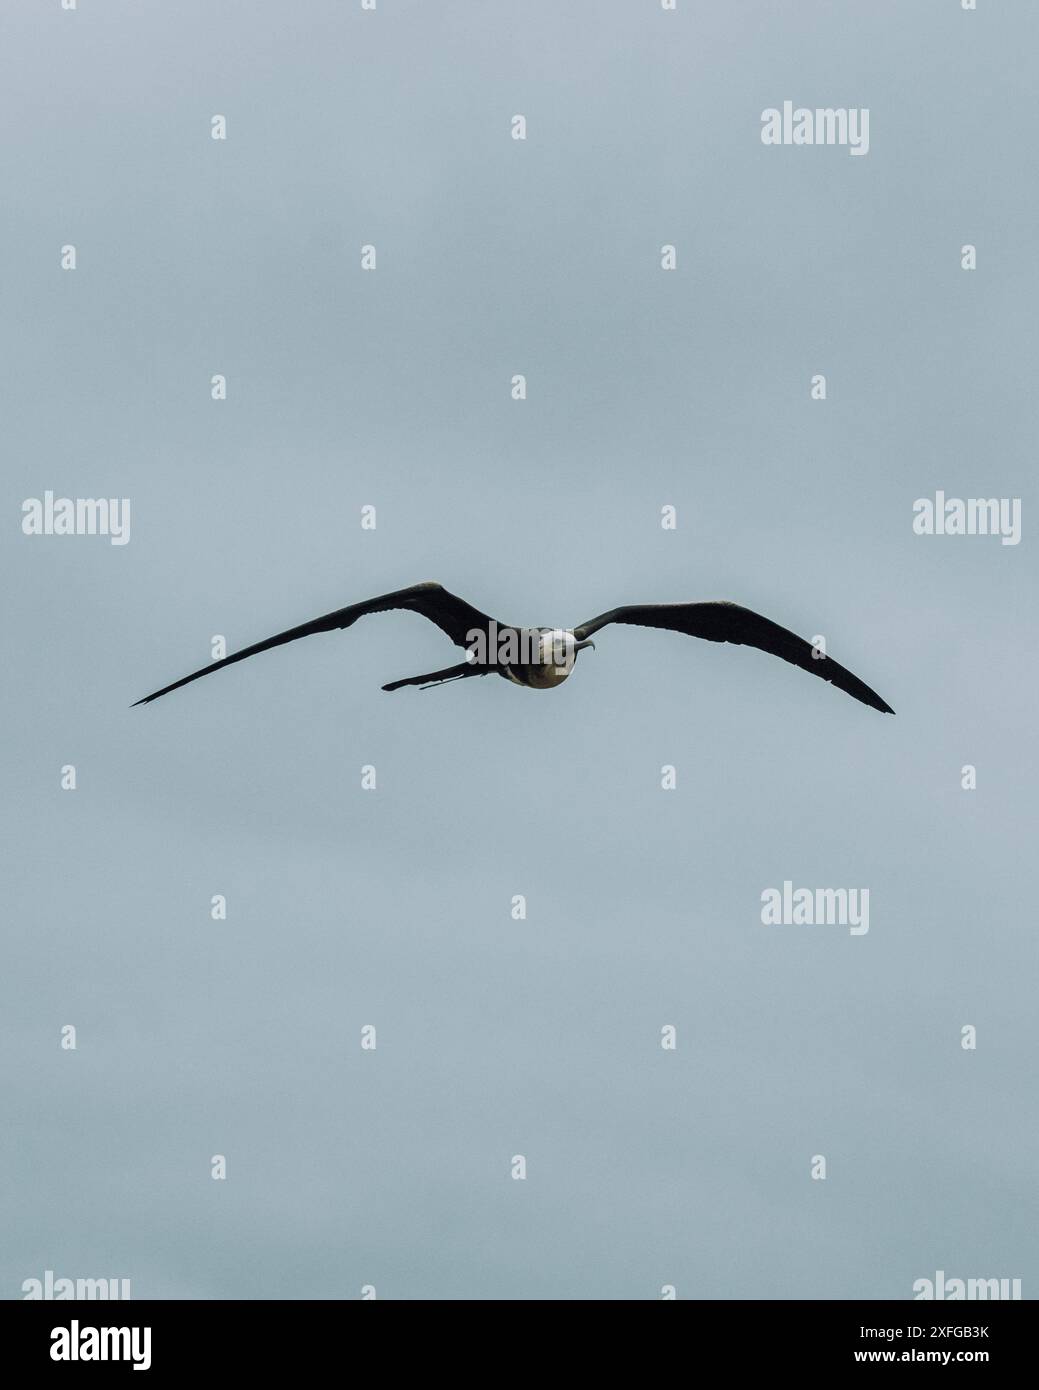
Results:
[821, 907]
[50, 1288]
[828, 125]
[79, 1342]
[521, 646]
[77, 516]
[952, 1290]
[968, 516]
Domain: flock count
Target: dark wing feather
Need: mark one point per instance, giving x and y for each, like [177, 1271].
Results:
[728, 622]
[450, 613]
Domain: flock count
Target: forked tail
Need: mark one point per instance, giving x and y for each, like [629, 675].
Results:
[450, 673]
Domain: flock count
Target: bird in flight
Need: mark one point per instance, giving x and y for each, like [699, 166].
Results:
[541, 658]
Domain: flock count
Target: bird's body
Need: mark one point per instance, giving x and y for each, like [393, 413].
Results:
[542, 658]
[555, 657]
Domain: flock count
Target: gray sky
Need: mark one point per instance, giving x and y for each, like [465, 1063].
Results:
[345, 908]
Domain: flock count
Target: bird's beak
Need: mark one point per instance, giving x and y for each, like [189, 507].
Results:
[581, 646]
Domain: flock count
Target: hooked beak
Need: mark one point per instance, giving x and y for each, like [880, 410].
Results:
[581, 646]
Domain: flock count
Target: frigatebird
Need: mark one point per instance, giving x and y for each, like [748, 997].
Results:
[541, 658]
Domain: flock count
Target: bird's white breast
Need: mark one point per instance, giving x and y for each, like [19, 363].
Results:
[557, 657]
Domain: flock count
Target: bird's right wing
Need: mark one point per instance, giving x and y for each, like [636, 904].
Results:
[451, 614]
[728, 622]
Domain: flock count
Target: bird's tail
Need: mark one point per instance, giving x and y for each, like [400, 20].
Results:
[450, 673]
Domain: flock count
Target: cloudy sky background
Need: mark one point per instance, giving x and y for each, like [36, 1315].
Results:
[392, 908]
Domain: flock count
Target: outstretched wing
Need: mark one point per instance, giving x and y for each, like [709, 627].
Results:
[450, 613]
[728, 622]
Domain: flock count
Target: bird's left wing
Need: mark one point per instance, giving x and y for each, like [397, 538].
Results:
[451, 614]
[728, 622]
